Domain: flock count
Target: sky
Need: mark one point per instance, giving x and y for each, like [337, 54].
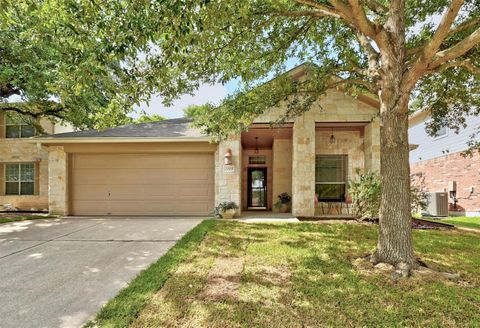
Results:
[206, 93]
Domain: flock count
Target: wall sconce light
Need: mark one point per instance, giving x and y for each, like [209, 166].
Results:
[332, 138]
[228, 157]
[256, 145]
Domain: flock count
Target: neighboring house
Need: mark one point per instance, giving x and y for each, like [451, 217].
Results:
[437, 164]
[171, 168]
[23, 166]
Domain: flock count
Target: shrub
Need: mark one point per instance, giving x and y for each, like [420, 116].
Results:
[365, 193]
[223, 206]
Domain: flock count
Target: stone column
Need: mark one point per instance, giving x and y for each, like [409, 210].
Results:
[228, 178]
[303, 166]
[57, 181]
[282, 168]
[372, 146]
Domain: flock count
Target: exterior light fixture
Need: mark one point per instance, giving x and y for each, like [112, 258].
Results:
[332, 138]
[256, 145]
[228, 157]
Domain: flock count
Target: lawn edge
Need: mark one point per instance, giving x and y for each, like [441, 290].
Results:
[26, 218]
[121, 310]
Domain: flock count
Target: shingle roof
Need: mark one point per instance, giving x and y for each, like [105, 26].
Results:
[173, 128]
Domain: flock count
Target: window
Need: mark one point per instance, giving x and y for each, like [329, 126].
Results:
[331, 177]
[18, 129]
[256, 160]
[441, 132]
[20, 179]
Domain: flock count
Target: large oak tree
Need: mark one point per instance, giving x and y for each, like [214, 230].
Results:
[82, 59]
[396, 50]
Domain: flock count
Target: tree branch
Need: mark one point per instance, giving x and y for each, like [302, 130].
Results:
[442, 31]
[467, 64]
[326, 10]
[455, 51]
[35, 109]
[464, 26]
[300, 13]
[376, 6]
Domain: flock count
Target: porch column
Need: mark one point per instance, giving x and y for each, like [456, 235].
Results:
[228, 178]
[372, 146]
[303, 166]
[57, 181]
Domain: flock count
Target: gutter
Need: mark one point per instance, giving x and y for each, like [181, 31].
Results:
[112, 140]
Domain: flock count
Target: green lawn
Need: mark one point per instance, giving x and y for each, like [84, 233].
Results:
[16, 218]
[122, 310]
[301, 275]
[463, 221]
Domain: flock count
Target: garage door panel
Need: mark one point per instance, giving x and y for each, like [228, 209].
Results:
[145, 184]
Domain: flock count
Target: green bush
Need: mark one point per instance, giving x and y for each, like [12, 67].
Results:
[365, 193]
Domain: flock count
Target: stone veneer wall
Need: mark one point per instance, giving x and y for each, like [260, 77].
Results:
[303, 166]
[13, 150]
[228, 184]
[372, 146]
[434, 175]
[282, 169]
[245, 157]
[58, 181]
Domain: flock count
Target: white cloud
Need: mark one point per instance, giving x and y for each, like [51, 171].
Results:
[205, 93]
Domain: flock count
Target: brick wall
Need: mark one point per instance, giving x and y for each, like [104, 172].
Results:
[434, 175]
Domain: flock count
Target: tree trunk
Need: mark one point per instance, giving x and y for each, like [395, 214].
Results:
[395, 232]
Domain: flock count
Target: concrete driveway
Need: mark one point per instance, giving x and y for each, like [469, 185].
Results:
[59, 272]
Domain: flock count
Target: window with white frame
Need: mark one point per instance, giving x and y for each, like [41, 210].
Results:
[441, 132]
[20, 179]
[331, 177]
[18, 129]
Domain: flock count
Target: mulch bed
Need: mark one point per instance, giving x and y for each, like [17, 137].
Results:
[416, 223]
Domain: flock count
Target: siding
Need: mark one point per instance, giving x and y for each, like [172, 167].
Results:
[430, 147]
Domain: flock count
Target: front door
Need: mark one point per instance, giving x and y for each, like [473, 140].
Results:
[257, 188]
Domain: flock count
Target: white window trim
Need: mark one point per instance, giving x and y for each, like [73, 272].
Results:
[20, 178]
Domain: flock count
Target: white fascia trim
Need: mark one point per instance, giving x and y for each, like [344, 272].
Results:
[112, 140]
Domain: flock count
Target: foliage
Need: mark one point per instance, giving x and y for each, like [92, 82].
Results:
[418, 200]
[122, 310]
[301, 275]
[283, 198]
[365, 193]
[79, 64]
[224, 206]
[145, 118]
[196, 111]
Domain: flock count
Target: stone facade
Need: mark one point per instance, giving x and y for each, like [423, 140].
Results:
[282, 168]
[435, 174]
[17, 150]
[58, 180]
[303, 167]
[228, 178]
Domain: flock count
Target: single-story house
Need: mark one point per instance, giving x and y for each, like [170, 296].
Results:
[171, 168]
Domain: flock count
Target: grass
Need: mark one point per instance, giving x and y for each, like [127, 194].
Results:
[123, 309]
[301, 275]
[463, 221]
[24, 217]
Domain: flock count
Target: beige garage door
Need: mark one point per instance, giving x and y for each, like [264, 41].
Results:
[142, 184]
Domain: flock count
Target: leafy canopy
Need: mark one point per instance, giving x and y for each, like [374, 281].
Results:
[217, 41]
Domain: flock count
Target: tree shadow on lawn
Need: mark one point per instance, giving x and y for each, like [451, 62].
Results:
[301, 275]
